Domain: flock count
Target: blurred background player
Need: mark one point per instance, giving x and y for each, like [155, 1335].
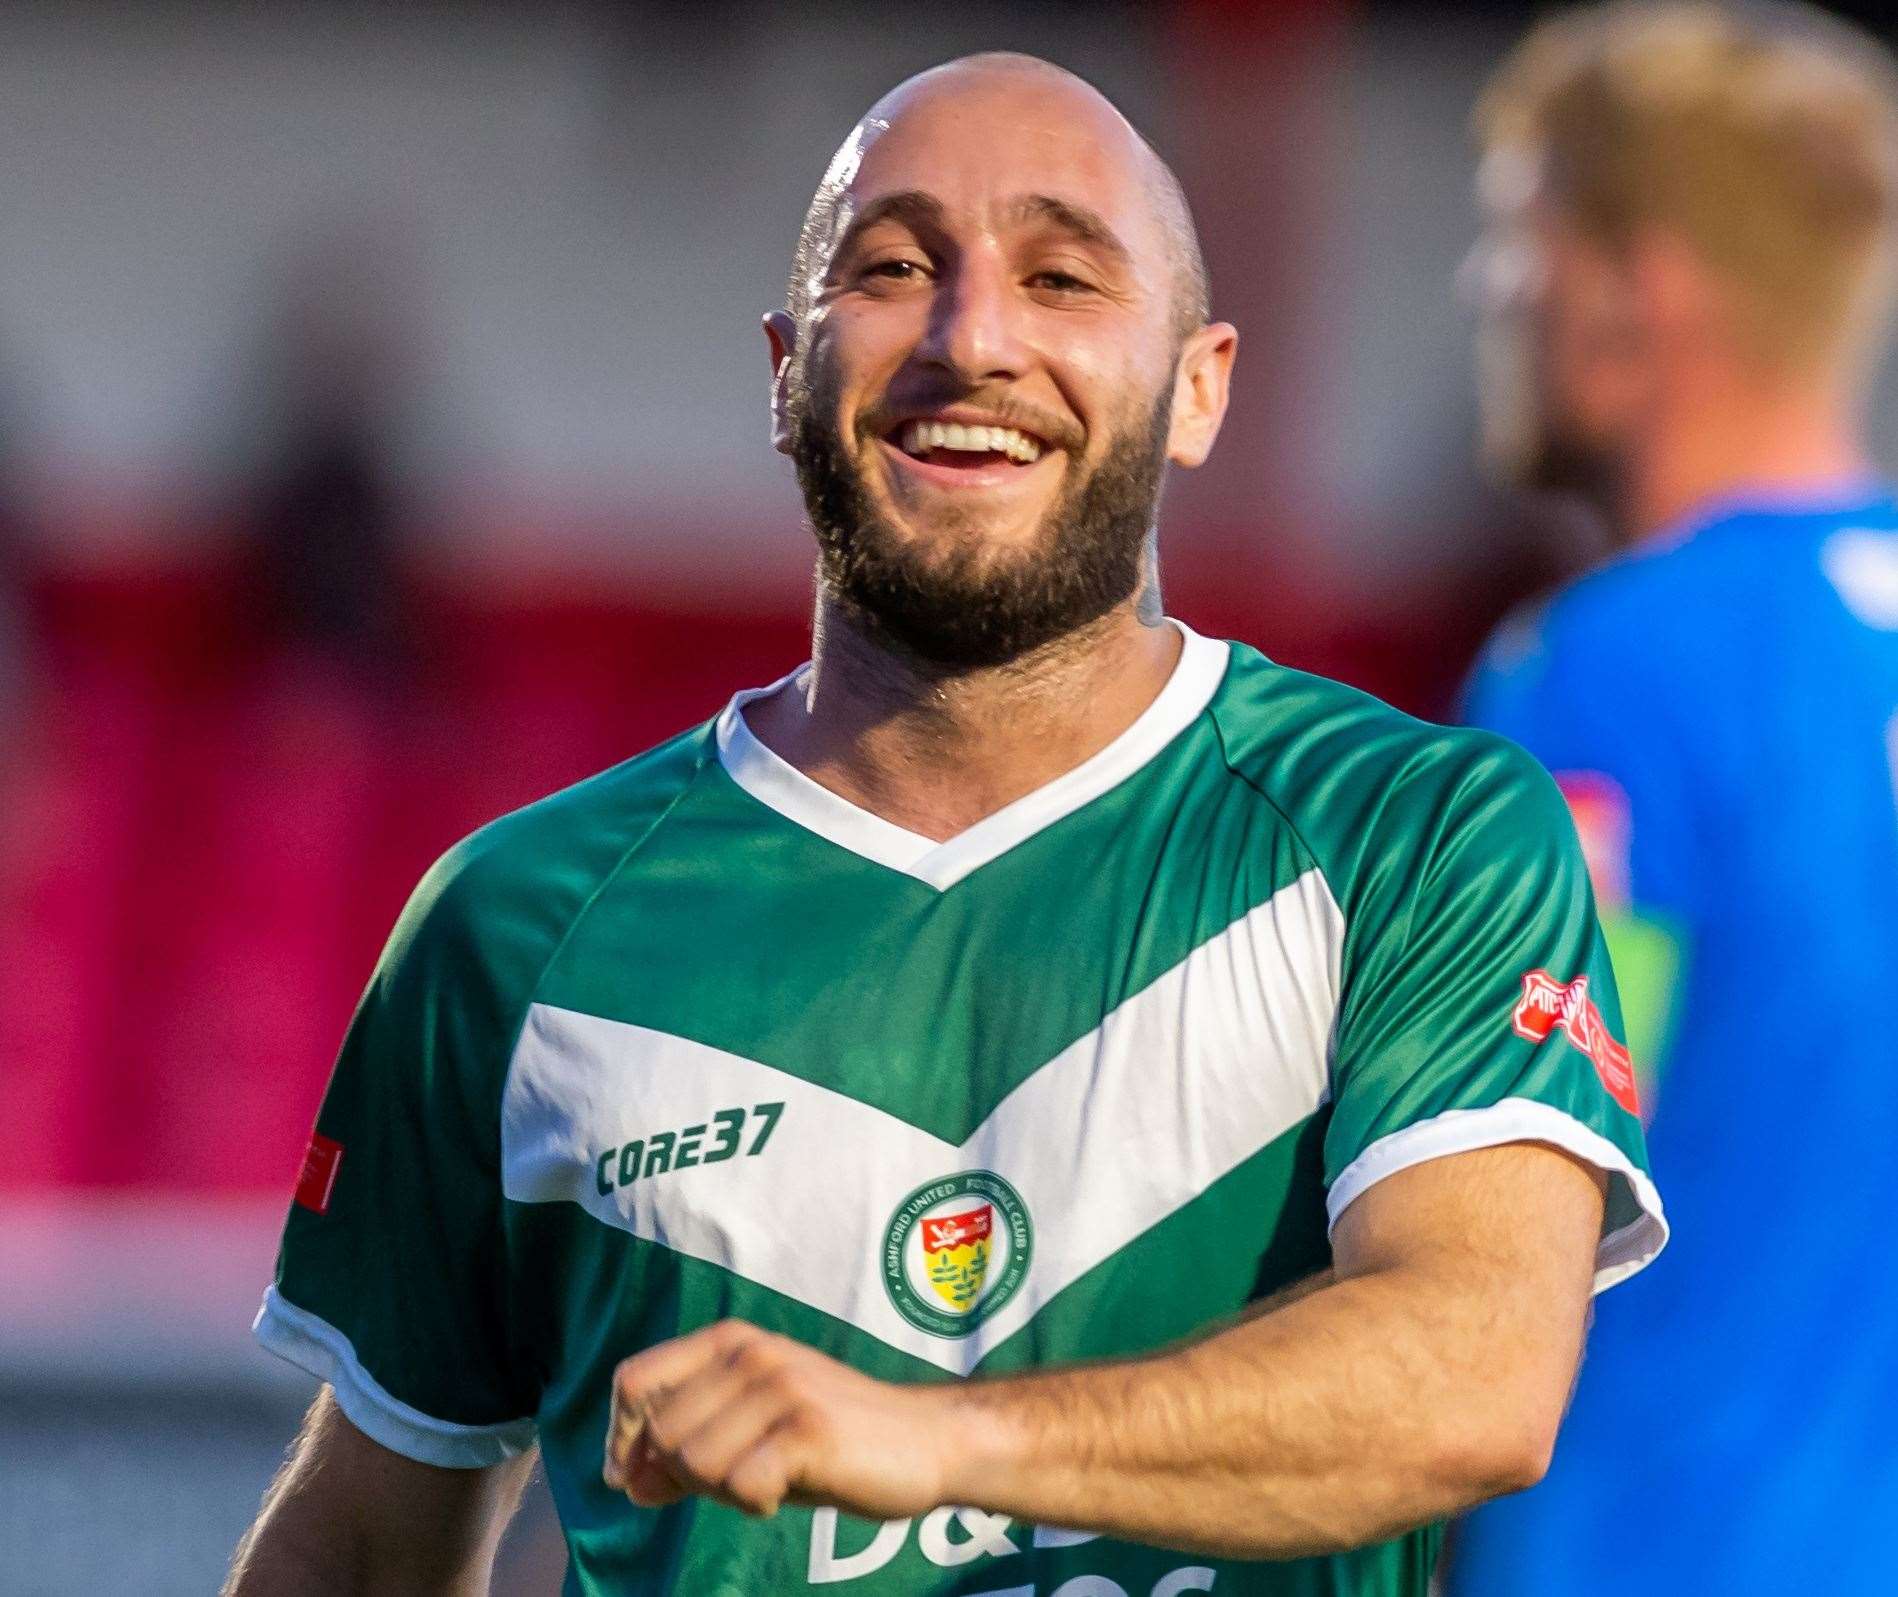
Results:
[1685, 279]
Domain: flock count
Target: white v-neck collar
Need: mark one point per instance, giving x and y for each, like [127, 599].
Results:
[775, 782]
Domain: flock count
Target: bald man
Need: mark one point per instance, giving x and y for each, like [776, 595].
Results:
[1037, 1102]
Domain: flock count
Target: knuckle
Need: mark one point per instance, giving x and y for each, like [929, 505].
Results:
[776, 1391]
[764, 1465]
[804, 1426]
[760, 1489]
[626, 1380]
[755, 1356]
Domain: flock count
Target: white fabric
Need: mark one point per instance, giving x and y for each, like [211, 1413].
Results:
[776, 782]
[1179, 1085]
[317, 1347]
[1622, 1252]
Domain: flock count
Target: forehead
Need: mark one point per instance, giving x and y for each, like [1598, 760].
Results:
[1520, 202]
[979, 148]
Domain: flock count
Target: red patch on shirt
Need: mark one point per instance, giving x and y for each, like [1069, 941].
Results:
[321, 1160]
[1547, 1006]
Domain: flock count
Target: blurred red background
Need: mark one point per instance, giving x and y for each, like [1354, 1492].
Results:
[389, 453]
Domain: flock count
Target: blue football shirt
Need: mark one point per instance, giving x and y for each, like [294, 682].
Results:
[1722, 708]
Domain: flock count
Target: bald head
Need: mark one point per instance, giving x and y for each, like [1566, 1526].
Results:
[1029, 94]
[994, 347]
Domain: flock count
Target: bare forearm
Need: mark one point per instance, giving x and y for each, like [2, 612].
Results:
[1429, 1374]
[296, 1548]
[347, 1518]
[1360, 1411]
[276, 1562]
[269, 1560]
[300, 1548]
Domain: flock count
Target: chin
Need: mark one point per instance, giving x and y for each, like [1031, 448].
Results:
[1502, 461]
[1548, 462]
[1563, 468]
[969, 539]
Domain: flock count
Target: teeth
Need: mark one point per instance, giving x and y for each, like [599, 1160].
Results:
[919, 437]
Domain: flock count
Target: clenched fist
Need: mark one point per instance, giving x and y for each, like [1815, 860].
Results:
[755, 1420]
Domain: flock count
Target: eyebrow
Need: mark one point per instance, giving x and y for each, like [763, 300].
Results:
[922, 211]
[912, 207]
[1089, 227]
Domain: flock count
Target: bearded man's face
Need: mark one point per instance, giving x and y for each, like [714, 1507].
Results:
[987, 366]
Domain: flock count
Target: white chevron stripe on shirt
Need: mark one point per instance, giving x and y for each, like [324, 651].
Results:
[1212, 1061]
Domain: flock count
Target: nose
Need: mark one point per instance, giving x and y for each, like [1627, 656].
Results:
[1500, 274]
[975, 329]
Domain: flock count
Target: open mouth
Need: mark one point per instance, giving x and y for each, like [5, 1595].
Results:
[967, 446]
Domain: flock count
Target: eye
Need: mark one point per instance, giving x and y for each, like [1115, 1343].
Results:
[1060, 282]
[897, 270]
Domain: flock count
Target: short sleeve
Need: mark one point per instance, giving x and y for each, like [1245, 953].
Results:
[392, 1278]
[1479, 1007]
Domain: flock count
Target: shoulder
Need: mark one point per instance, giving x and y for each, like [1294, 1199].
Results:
[1633, 605]
[1307, 741]
[1368, 787]
[1614, 648]
[500, 900]
[1650, 608]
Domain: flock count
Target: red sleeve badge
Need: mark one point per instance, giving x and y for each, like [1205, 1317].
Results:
[321, 1160]
[1548, 1006]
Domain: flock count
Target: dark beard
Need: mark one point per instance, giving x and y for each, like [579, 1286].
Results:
[966, 610]
[1584, 477]
[1559, 466]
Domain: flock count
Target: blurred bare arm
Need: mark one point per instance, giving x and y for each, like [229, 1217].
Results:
[346, 1517]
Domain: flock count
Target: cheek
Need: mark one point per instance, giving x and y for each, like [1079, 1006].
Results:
[1557, 353]
[863, 346]
[1588, 370]
[835, 397]
[1111, 387]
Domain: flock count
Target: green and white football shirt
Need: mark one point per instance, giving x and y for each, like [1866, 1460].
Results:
[699, 1038]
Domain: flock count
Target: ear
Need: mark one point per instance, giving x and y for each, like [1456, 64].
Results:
[1678, 298]
[1202, 383]
[780, 333]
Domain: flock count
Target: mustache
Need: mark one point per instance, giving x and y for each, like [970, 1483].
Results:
[1058, 432]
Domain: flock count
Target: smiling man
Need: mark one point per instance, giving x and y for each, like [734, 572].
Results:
[1035, 1102]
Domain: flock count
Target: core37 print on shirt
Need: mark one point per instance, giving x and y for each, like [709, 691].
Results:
[698, 1039]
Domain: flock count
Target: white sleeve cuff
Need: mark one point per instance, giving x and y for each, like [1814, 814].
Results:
[319, 1348]
[1625, 1249]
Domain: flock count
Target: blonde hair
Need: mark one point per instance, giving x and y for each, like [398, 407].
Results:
[1765, 136]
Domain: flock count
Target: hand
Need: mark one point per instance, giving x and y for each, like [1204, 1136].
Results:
[756, 1420]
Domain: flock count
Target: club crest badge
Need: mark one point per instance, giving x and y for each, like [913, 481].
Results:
[955, 1251]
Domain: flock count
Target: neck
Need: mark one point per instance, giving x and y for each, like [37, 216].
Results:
[1748, 439]
[935, 753]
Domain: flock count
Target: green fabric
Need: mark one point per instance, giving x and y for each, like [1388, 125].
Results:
[732, 881]
[663, 895]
